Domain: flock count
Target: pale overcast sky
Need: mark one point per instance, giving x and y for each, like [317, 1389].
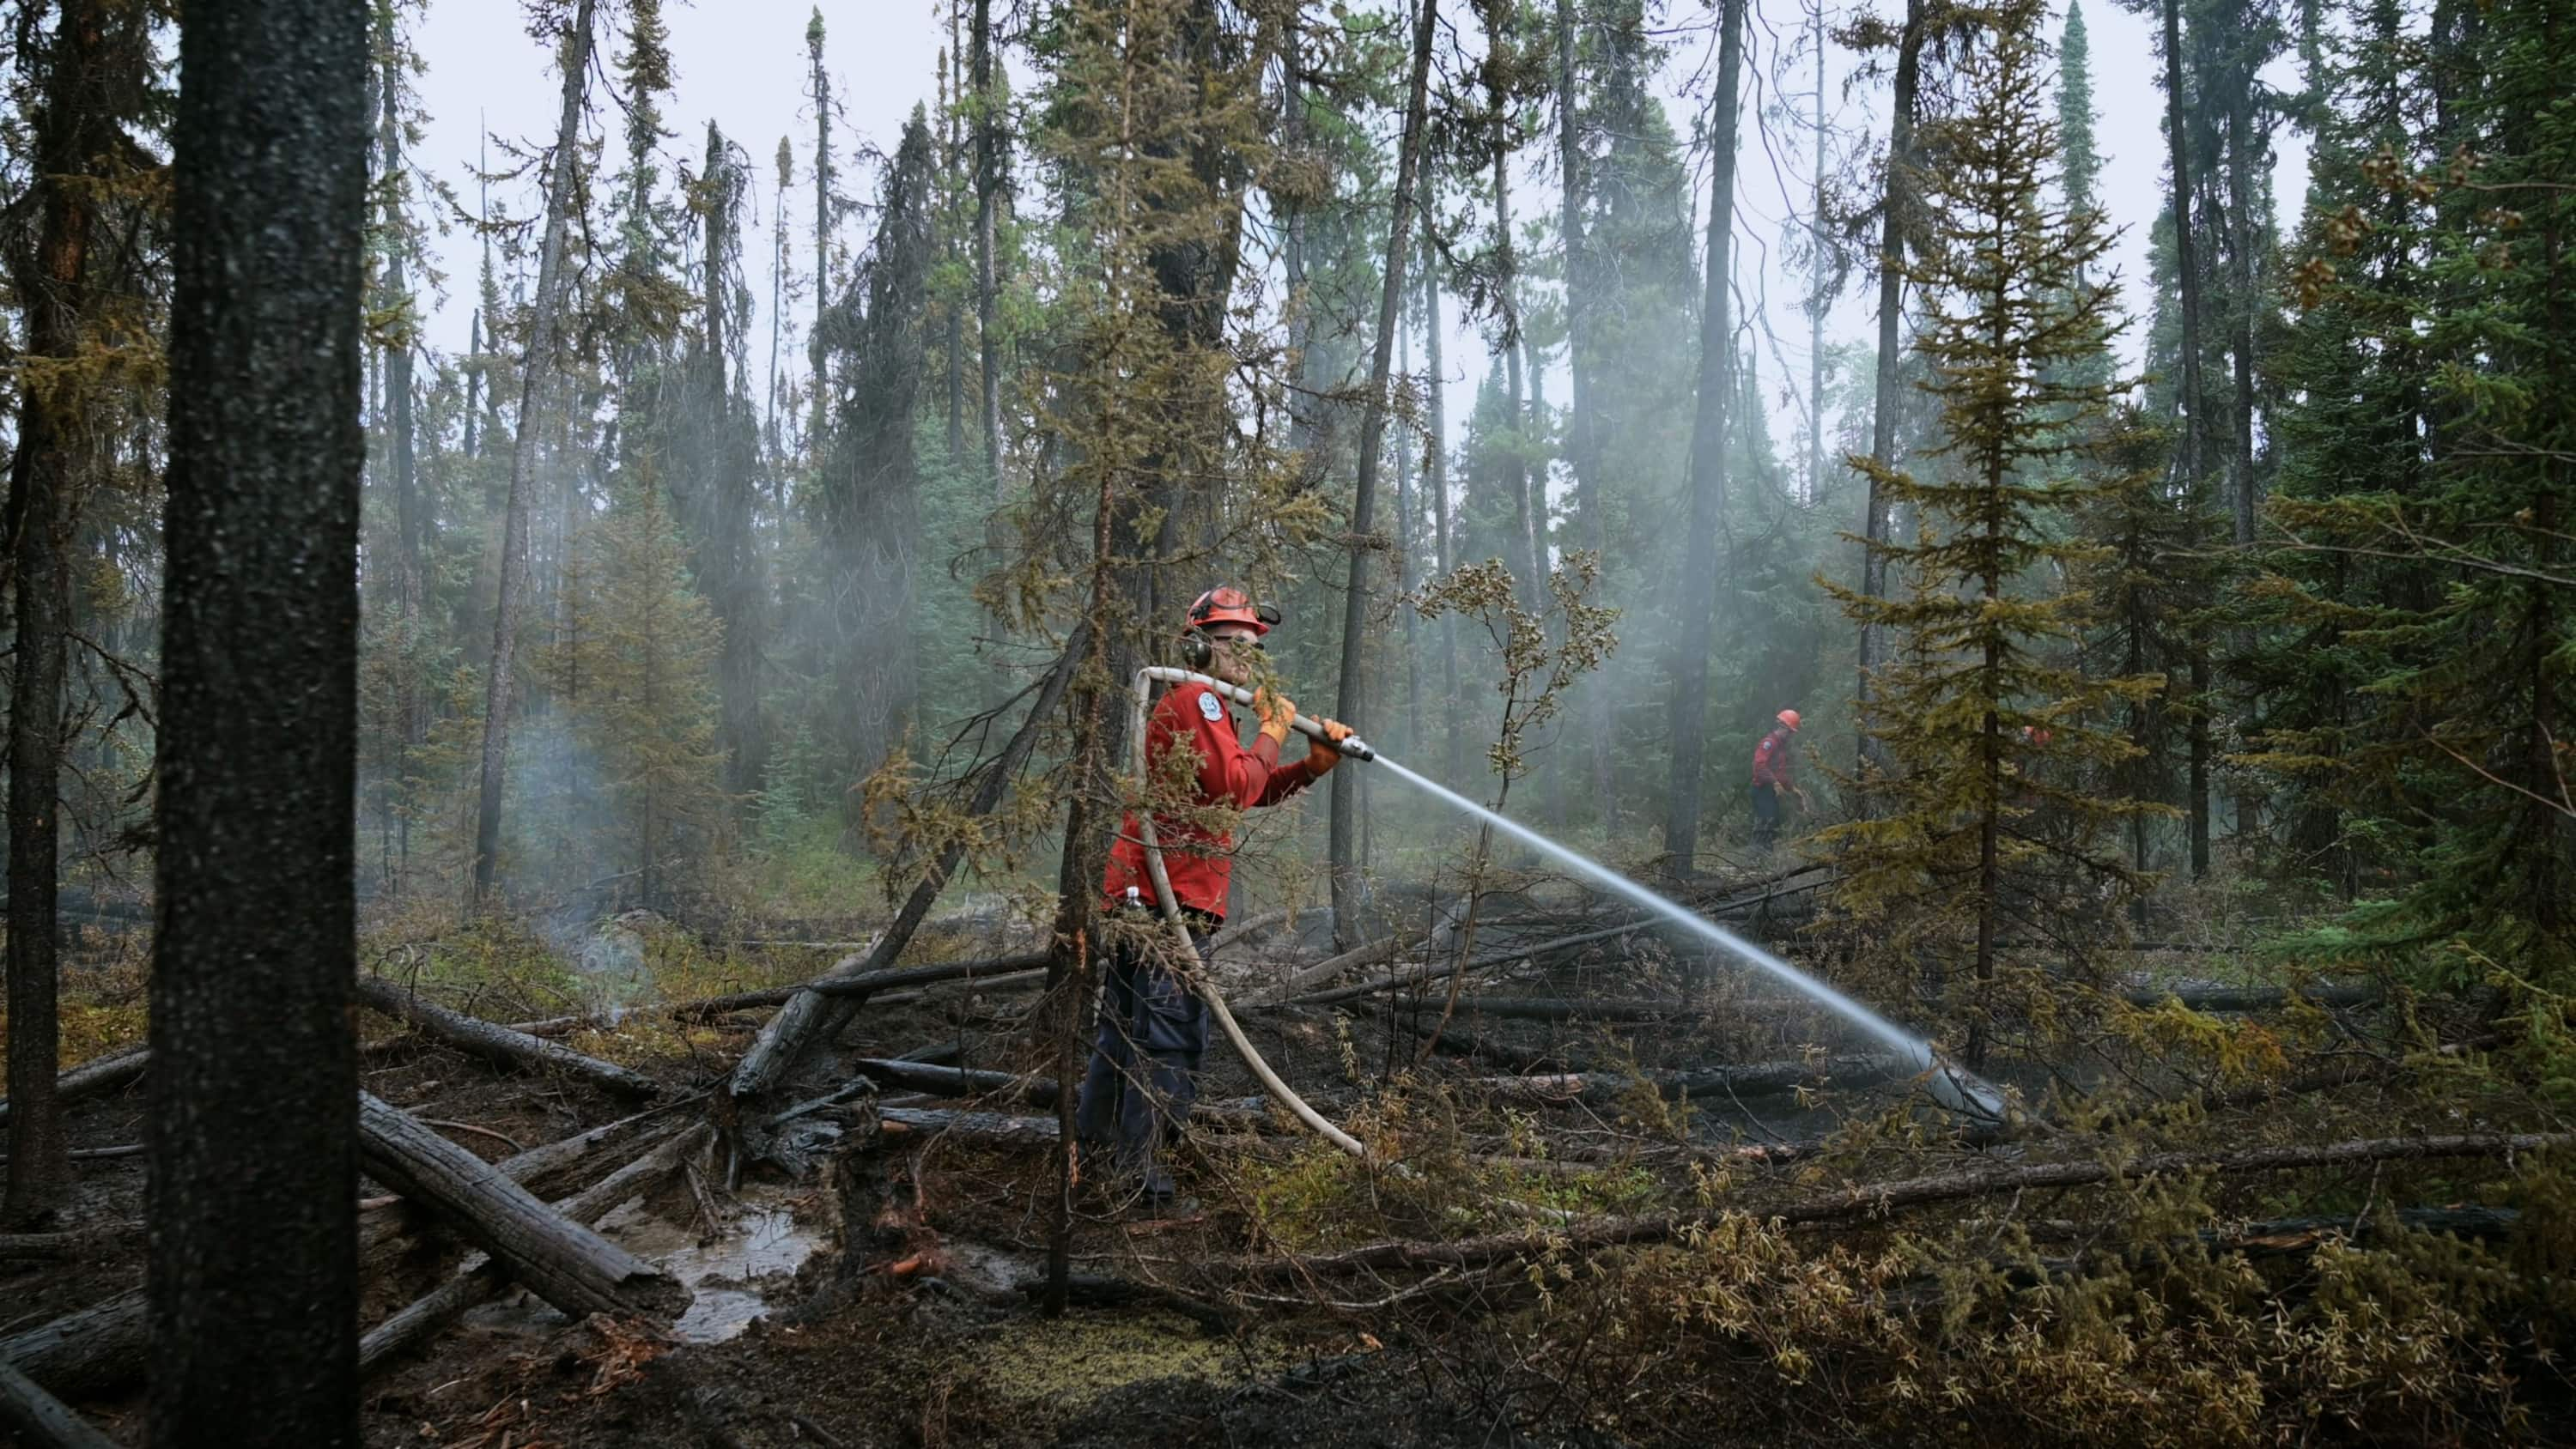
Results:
[742, 62]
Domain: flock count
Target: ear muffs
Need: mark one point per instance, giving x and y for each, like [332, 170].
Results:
[1197, 650]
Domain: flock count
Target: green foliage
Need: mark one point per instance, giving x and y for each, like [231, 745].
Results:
[646, 707]
[2422, 595]
[1980, 662]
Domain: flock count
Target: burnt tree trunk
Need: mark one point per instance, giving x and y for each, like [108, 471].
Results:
[1702, 558]
[483, 1039]
[253, 1165]
[988, 202]
[1351, 697]
[2195, 431]
[536, 392]
[1895, 217]
[1435, 484]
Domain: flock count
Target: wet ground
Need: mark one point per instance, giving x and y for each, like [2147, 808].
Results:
[880, 1302]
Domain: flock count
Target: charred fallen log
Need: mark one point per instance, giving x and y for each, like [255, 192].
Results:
[425, 1316]
[42, 1418]
[497, 1043]
[100, 1349]
[562, 1261]
[95, 1078]
[1757, 1079]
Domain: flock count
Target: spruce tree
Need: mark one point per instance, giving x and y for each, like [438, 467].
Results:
[647, 709]
[2472, 680]
[1956, 852]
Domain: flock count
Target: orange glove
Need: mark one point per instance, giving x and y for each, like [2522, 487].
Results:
[1276, 711]
[1321, 757]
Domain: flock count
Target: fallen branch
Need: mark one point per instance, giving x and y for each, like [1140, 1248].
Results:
[100, 1349]
[1094, 1290]
[95, 1078]
[2219, 996]
[425, 1316]
[1759, 1079]
[497, 1043]
[988, 1127]
[1871, 1200]
[78, 1242]
[562, 1261]
[1371, 954]
[959, 1081]
[42, 1418]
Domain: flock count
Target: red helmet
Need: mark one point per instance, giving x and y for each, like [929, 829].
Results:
[1789, 717]
[1229, 605]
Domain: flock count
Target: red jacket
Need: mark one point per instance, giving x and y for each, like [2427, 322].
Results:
[1774, 763]
[1200, 862]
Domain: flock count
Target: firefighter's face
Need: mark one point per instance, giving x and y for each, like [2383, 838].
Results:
[1232, 658]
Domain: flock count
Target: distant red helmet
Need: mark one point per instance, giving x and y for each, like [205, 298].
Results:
[1789, 717]
[2036, 734]
[1230, 605]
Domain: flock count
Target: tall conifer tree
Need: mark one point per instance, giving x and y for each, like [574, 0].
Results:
[1959, 847]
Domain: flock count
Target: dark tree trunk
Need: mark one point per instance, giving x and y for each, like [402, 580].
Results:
[401, 447]
[1582, 441]
[1894, 220]
[725, 445]
[536, 390]
[988, 188]
[821, 96]
[1351, 695]
[91, 73]
[1702, 556]
[1516, 474]
[252, 1130]
[2241, 163]
[2195, 432]
[1435, 482]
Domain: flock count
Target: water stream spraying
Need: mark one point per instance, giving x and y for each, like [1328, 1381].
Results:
[1952, 1086]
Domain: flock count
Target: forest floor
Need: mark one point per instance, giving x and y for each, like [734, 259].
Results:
[880, 1298]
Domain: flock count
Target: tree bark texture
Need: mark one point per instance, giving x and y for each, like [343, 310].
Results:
[536, 392]
[1703, 561]
[253, 1170]
[1351, 697]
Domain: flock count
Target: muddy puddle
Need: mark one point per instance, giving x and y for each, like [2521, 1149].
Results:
[734, 1278]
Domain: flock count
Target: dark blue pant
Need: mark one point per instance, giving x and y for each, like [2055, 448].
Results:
[1143, 1075]
[1766, 815]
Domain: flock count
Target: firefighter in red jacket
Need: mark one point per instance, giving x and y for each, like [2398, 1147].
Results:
[1153, 1027]
[1775, 768]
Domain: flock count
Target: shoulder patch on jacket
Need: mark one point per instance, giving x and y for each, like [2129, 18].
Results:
[1209, 707]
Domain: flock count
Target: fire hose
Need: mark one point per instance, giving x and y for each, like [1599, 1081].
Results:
[1195, 969]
